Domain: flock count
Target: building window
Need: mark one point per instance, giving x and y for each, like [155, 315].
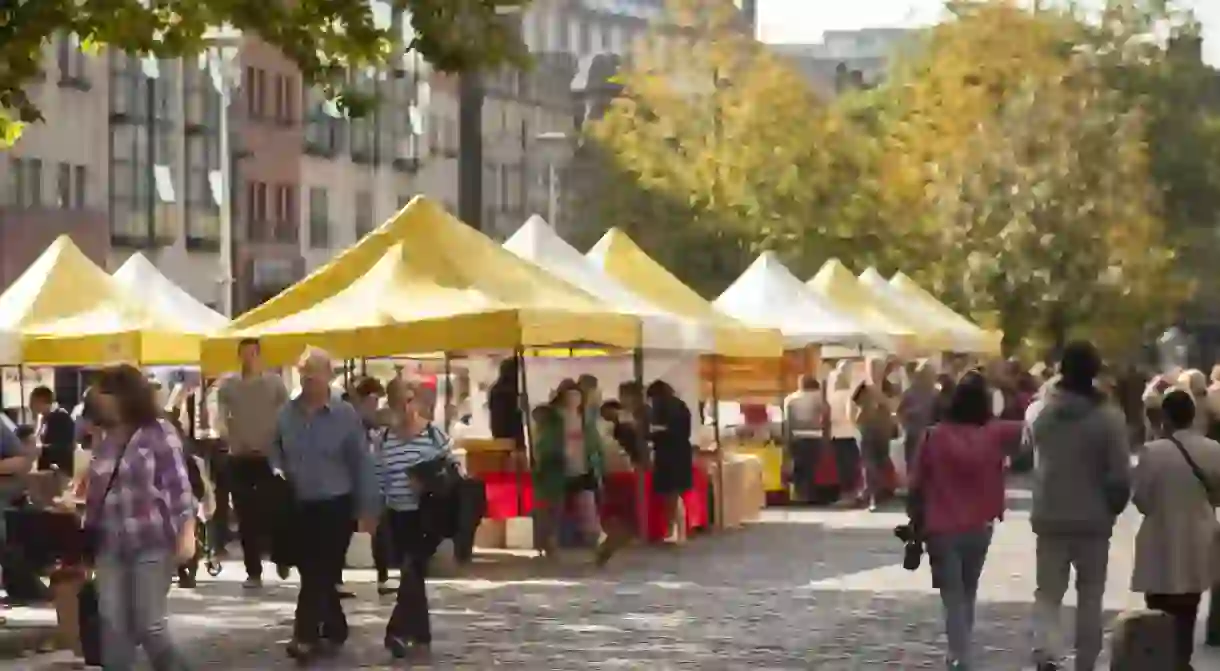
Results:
[63, 186]
[80, 198]
[256, 210]
[71, 60]
[26, 187]
[364, 214]
[286, 225]
[256, 91]
[319, 218]
[204, 191]
[323, 125]
[285, 99]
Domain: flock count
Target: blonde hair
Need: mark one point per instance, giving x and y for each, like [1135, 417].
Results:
[840, 378]
[1193, 381]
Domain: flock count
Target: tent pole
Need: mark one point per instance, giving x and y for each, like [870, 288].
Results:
[719, 498]
[21, 401]
[524, 398]
[447, 415]
[641, 475]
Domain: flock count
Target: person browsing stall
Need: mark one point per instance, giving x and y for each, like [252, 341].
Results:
[321, 448]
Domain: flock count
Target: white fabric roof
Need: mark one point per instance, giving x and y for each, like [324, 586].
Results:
[539, 244]
[961, 341]
[166, 298]
[10, 347]
[768, 295]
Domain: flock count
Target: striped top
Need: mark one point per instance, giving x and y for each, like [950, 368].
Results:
[398, 454]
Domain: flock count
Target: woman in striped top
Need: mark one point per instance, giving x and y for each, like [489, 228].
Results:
[410, 441]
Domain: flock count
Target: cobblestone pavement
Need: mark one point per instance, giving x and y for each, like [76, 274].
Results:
[801, 589]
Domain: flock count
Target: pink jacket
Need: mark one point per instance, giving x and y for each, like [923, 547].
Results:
[959, 468]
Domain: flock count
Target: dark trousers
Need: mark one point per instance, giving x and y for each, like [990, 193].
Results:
[327, 528]
[218, 468]
[410, 620]
[804, 453]
[250, 480]
[1184, 608]
[847, 464]
[383, 549]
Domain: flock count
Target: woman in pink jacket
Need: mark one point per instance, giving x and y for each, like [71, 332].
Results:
[957, 494]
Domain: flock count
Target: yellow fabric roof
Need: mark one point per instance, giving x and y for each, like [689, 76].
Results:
[422, 282]
[839, 286]
[619, 256]
[931, 334]
[69, 311]
[988, 341]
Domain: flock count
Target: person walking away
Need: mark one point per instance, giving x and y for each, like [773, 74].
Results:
[568, 466]
[411, 444]
[1081, 484]
[843, 437]
[138, 499]
[957, 495]
[876, 423]
[1194, 382]
[504, 405]
[673, 455]
[1176, 487]
[56, 433]
[321, 450]
[249, 404]
[916, 410]
[806, 425]
[366, 398]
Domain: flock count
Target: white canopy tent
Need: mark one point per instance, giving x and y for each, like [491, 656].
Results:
[166, 298]
[768, 295]
[955, 340]
[539, 244]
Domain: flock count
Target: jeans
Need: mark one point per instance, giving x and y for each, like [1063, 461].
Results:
[411, 621]
[133, 597]
[383, 549]
[957, 562]
[1057, 555]
[327, 526]
[250, 478]
[1184, 608]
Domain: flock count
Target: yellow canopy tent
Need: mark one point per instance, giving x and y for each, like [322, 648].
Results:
[986, 342]
[750, 362]
[422, 282]
[835, 283]
[618, 256]
[931, 336]
[69, 311]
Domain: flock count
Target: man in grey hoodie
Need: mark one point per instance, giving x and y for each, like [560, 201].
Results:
[1081, 484]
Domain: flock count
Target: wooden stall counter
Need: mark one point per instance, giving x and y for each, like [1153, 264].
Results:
[489, 455]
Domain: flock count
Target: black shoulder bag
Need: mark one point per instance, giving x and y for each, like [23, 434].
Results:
[91, 531]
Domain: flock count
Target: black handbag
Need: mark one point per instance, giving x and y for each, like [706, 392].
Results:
[285, 522]
[91, 532]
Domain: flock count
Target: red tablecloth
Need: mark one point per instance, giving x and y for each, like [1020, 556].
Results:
[618, 499]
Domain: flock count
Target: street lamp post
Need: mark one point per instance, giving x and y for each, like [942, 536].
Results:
[223, 46]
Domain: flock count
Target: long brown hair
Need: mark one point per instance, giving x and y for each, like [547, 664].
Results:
[133, 395]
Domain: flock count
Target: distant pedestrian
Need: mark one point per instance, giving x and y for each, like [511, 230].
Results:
[1081, 484]
[1177, 488]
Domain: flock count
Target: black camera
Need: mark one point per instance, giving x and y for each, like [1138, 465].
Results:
[912, 546]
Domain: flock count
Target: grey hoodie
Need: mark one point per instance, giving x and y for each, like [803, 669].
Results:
[1081, 451]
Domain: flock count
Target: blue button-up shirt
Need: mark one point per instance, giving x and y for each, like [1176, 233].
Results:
[324, 453]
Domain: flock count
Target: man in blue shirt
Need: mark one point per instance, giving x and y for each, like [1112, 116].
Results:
[321, 449]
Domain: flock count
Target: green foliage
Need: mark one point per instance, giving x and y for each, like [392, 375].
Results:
[325, 38]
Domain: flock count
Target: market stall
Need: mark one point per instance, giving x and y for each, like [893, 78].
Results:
[767, 294]
[738, 350]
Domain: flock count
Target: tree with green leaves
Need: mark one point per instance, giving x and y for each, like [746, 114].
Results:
[731, 138]
[1036, 177]
[325, 38]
